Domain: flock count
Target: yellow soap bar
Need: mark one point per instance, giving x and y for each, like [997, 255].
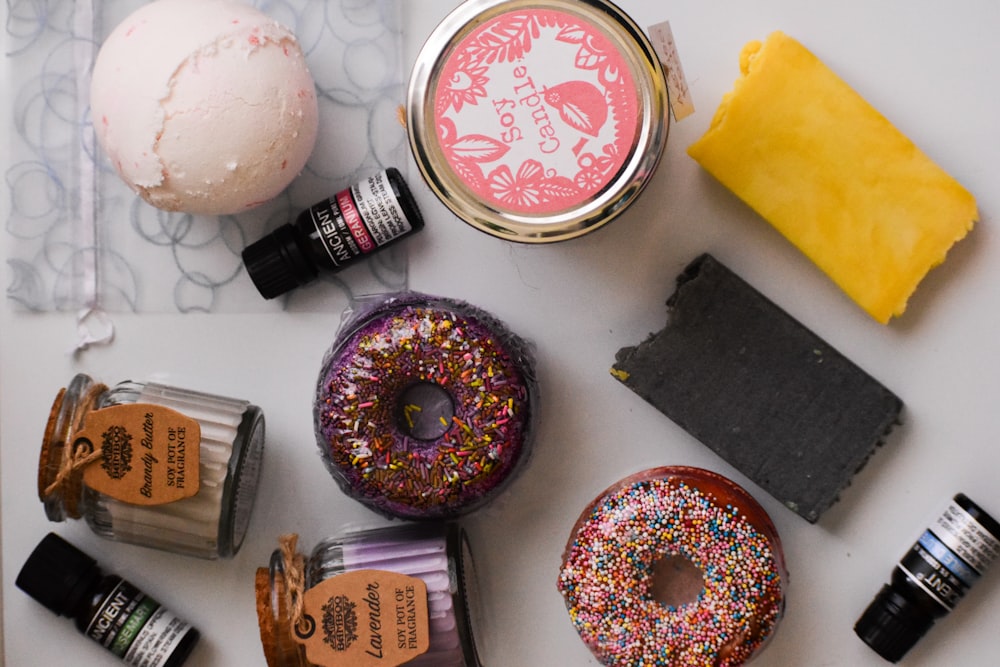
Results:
[827, 170]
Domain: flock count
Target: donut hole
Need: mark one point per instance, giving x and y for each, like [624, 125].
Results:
[425, 410]
[675, 581]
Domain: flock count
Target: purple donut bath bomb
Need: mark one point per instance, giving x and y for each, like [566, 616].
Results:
[424, 407]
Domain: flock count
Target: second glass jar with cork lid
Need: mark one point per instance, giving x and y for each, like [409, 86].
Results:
[153, 465]
[399, 595]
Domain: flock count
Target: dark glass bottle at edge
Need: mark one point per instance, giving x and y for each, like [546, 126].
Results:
[334, 233]
[105, 607]
[930, 579]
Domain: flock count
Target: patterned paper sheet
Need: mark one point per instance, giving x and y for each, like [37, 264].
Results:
[78, 239]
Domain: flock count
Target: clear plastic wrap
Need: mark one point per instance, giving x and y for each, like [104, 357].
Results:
[424, 406]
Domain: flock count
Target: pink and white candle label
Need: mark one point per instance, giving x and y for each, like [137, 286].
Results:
[681, 104]
[536, 111]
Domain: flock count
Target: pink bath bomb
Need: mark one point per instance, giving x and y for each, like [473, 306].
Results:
[204, 106]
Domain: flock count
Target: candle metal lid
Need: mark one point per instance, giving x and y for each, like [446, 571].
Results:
[537, 120]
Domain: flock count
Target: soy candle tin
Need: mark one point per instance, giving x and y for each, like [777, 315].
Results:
[537, 120]
[356, 624]
[153, 465]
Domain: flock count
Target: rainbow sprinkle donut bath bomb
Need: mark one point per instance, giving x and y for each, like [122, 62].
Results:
[672, 567]
[204, 106]
[424, 407]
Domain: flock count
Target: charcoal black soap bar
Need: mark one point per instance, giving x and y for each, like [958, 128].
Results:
[760, 389]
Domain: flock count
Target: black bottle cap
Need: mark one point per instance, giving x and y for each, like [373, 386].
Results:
[892, 624]
[57, 574]
[277, 264]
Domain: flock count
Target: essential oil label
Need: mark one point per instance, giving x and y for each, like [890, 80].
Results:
[967, 537]
[360, 220]
[951, 556]
[925, 564]
[149, 453]
[136, 628]
[158, 640]
[537, 111]
[377, 205]
[365, 618]
[121, 607]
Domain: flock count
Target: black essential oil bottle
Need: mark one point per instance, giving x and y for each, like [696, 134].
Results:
[105, 607]
[930, 579]
[334, 234]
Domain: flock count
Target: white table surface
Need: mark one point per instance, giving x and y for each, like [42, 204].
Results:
[930, 67]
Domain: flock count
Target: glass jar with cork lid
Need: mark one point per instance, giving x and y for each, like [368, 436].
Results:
[401, 595]
[153, 465]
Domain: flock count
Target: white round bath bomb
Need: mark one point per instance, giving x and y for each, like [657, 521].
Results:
[204, 106]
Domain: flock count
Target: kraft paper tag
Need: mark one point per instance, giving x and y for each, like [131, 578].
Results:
[662, 37]
[149, 453]
[365, 618]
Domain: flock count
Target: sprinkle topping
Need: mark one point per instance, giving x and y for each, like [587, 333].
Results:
[362, 425]
[606, 578]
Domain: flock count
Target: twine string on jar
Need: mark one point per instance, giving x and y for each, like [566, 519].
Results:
[66, 419]
[295, 578]
[74, 459]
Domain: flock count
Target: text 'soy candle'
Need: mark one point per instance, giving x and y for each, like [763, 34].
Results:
[537, 121]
